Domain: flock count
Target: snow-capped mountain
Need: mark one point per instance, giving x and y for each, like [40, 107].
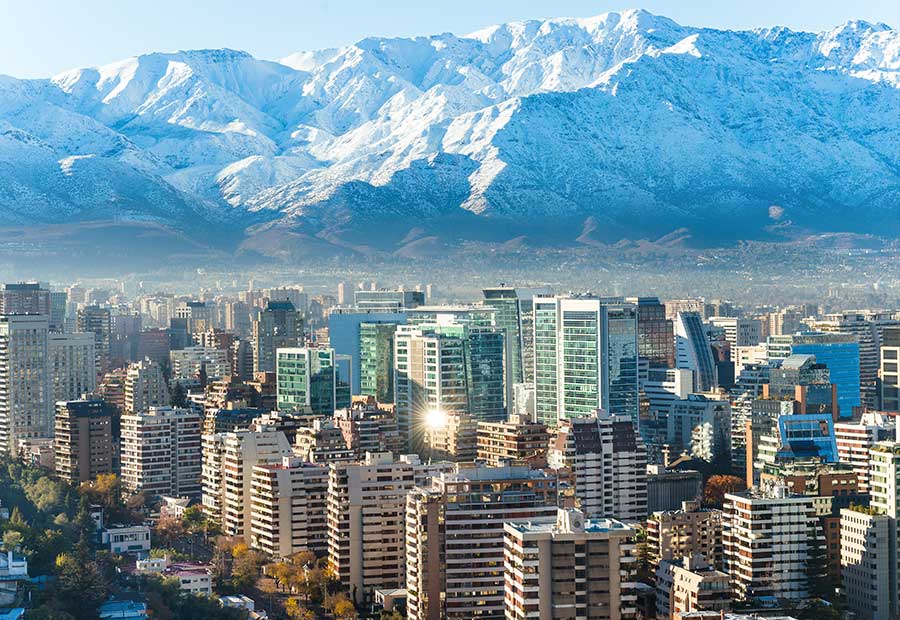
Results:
[621, 126]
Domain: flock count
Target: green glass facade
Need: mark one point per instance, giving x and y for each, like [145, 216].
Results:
[376, 354]
[585, 358]
[308, 378]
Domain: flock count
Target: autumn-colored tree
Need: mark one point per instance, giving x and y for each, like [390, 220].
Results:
[12, 539]
[245, 567]
[296, 611]
[718, 486]
[341, 607]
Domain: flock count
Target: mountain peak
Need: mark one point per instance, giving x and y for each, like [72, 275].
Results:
[527, 128]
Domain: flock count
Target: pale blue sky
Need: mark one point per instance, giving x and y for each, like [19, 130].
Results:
[42, 37]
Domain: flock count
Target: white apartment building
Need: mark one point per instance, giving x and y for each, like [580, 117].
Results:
[608, 462]
[145, 387]
[454, 530]
[187, 363]
[26, 399]
[366, 527]
[739, 332]
[868, 569]
[767, 538]
[161, 452]
[227, 474]
[288, 507]
[674, 534]
[72, 365]
[855, 439]
[566, 566]
[690, 584]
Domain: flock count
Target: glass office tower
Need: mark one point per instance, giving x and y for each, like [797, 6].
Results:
[309, 378]
[839, 352]
[586, 358]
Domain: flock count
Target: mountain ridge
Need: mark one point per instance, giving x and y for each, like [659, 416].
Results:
[567, 131]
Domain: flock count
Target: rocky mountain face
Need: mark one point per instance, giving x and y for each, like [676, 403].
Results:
[611, 129]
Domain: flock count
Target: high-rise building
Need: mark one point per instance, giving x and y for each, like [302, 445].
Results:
[190, 363]
[388, 301]
[868, 563]
[161, 452]
[364, 337]
[693, 351]
[198, 314]
[145, 387]
[376, 361]
[868, 327]
[309, 381]
[366, 531]
[25, 298]
[26, 399]
[889, 369]
[288, 508]
[566, 566]
[586, 357]
[515, 441]
[367, 427]
[112, 388]
[97, 321]
[656, 335]
[58, 305]
[701, 426]
[446, 369]
[608, 462]
[784, 533]
[323, 443]
[674, 534]
[71, 365]
[838, 351]
[855, 439]
[83, 442]
[454, 529]
[739, 332]
[514, 312]
[884, 490]
[278, 326]
[227, 474]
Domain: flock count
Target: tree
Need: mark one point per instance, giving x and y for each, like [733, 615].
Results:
[81, 585]
[345, 610]
[51, 610]
[245, 567]
[341, 607]
[718, 486]
[12, 539]
[644, 566]
[295, 611]
[178, 396]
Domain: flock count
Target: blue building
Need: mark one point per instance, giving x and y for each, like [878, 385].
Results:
[807, 436]
[839, 352]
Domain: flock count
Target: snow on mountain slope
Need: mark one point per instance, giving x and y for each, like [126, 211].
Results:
[628, 121]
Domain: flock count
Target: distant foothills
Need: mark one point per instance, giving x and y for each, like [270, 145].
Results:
[624, 134]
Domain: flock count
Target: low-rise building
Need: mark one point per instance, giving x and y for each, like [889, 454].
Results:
[690, 584]
[127, 539]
